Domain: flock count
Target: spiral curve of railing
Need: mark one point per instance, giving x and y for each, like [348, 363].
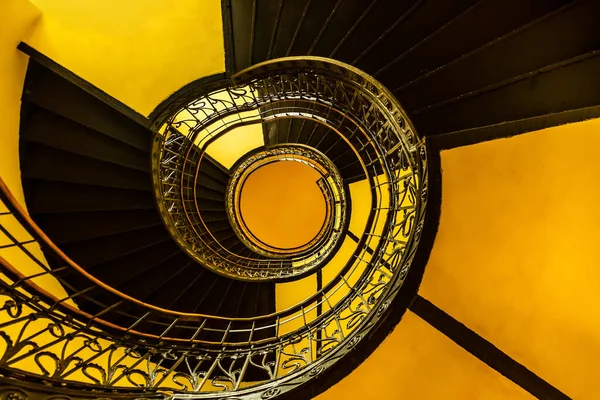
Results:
[129, 348]
[330, 183]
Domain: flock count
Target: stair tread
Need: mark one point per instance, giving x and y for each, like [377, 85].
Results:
[52, 92]
[158, 277]
[373, 26]
[549, 41]
[53, 197]
[576, 85]
[135, 269]
[95, 251]
[47, 163]
[414, 24]
[44, 127]
[72, 227]
[453, 41]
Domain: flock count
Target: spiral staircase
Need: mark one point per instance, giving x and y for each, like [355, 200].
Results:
[165, 291]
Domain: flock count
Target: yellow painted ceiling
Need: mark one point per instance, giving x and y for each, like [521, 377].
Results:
[282, 204]
[515, 258]
[17, 19]
[138, 51]
[230, 147]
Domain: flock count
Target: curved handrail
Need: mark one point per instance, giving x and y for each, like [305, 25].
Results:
[40, 236]
[212, 114]
[334, 217]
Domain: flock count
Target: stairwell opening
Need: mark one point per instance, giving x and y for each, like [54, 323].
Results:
[282, 205]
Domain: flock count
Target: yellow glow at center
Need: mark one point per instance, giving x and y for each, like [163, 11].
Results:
[282, 204]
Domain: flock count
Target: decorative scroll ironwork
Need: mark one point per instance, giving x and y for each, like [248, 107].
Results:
[328, 96]
[130, 349]
[176, 190]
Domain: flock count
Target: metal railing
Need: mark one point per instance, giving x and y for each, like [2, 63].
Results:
[122, 345]
[330, 183]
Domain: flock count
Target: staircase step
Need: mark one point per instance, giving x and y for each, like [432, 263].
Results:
[221, 235]
[346, 17]
[158, 276]
[296, 127]
[204, 301]
[230, 242]
[44, 127]
[56, 197]
[415, 24]
[54, 93]
[47, 163]
[200, 286]
[241, 9]
[133, 274]
[324, 138]
[211, 216]
[551, 40]
[126, 272]
[77, 226]
[352, 171]
[219, 226]
[456, 39]
[207, 182]
[86, 170]
[203, 193]
[210, 205]
[374, 25]
[210, 167]
[162, 294]
[315, 20]
[568, 86]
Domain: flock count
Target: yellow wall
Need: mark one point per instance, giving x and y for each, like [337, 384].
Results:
[418, 362]
[17, 19]
[138, 51]
[516, 255]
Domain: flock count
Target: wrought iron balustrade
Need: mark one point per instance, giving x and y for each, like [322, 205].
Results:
[330, 183]
[128, 348]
